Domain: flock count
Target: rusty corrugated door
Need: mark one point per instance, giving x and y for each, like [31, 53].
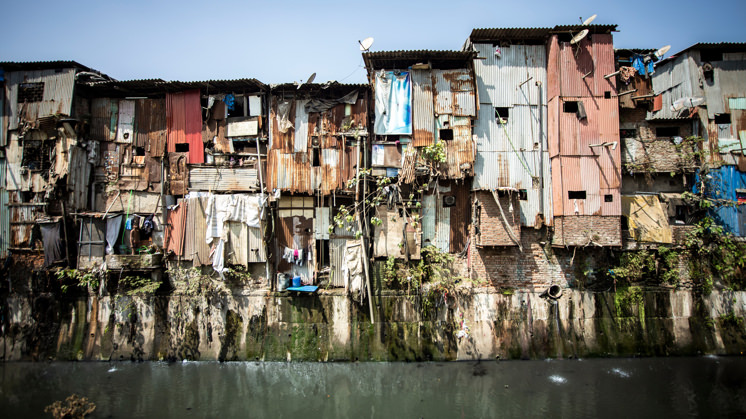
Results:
[184, 123]
[150, 126]
[460, 216]
[175, 228]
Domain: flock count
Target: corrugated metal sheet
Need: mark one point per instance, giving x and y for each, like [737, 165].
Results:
[126, 124]
[526, 128]
[244, 245]
[13, 155]
[184, 123]
[221, 179]
[3, 140]
[723, 184]
[524, 35]
[301, 127]
[460, 150]
[78, 178]
[104, 115]
[336, 254]
[56, 98]
[176, 228]
[460, 217]
[600, 125]
[428, 214]
[150, 126]
[436, 220]
[584, 65]
[288, 172]
[583, 174]
[735, 103]
[423, 116]
[503, 169]
[454, 92]
[23, 216]
[196, 248]
[672, 81]
[500, 78]
[4, 214]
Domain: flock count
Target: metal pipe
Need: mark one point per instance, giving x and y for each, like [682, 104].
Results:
[261, 191]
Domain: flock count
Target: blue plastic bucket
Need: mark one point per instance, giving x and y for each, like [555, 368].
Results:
[296, 281]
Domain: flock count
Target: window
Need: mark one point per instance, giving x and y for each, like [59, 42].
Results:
[608, 198]
[446, 134]
[522, 194]
[30, 92]
[502, 114]
[607, 95]
[576, 194]
[710, 55]
[667, 131]
[722, 118]
[628, 133]
[139, 151]
[449, 200]
[570, 107]
[316, 157]
[181, 147]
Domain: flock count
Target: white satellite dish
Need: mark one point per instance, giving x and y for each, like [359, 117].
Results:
[579, 37]
[365, 44]
[662, 51]
[589, 20]
[309, 81]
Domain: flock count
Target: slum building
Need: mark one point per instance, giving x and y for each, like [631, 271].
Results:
[425, 107]
[583, 135]
[658, 161]
[47, 160]
[318, 142]
[512, 201]
[700, 91]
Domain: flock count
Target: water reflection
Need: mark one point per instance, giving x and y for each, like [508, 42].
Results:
[591, 388]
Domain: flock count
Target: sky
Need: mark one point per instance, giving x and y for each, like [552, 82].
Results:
[284, 41]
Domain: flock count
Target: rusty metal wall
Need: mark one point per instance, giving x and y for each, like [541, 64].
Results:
[150, 126]
[104, 113]
[584, 65]
[525, 129]
[460, 216]
[454, 92]
[221, 179]
[584, 173]
[499, 80]
[3, 133]
[184, 123]
[460, 150]
[13, 156]
[423, 115]
[672, 81]
[56, 99]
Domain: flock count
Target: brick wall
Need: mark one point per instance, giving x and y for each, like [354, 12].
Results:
[583, 230]
[536, 267]
[492, 230]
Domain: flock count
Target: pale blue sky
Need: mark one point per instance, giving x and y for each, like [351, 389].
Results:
[285, 41]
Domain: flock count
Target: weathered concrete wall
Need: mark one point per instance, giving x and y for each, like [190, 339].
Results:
[329, 326]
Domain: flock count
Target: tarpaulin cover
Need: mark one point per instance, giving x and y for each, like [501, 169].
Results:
[323, 105]
[393, 103]
[646, 218]
[353, 270]
[53, 249]
[113, 227]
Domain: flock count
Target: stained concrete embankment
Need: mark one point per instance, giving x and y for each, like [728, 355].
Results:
[478, 323]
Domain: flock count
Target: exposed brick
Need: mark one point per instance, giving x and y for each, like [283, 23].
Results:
[584, 230]
[492, 230]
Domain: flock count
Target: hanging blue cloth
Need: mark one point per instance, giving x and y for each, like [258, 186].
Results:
[230, 102]
[638, 62]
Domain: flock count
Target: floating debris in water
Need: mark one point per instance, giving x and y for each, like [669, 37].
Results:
[620, 373]
[112, 369]
[557, 379]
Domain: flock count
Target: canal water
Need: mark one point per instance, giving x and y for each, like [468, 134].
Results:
[648, 387]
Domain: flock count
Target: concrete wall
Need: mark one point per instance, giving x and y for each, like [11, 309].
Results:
[329, 326]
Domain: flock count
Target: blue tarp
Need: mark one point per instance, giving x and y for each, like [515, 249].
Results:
[393, 103]
[724, 184]
[306, 288]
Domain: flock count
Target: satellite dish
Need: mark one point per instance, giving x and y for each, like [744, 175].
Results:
[589, 20]
[365, 44]
[579, 37]
[309, 81]
[662, 51]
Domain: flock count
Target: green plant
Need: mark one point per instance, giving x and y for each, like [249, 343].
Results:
[714, 253]
[139, 285]
[79, 278]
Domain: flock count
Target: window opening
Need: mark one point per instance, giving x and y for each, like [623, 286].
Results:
[576, 194]
[30, 92]
[446, 134]
[502, 114]
[608, 198]
[722, 118]
[667, 131]
[523, 195]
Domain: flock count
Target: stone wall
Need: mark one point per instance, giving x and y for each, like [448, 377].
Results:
[475, 323]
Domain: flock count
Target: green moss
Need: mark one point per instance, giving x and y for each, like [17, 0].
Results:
[625, 299]
[229, 340]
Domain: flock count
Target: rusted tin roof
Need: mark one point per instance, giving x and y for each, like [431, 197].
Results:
[511, 35]
[593, 29]
[41, 65]
[158, 87]
[404, 59]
